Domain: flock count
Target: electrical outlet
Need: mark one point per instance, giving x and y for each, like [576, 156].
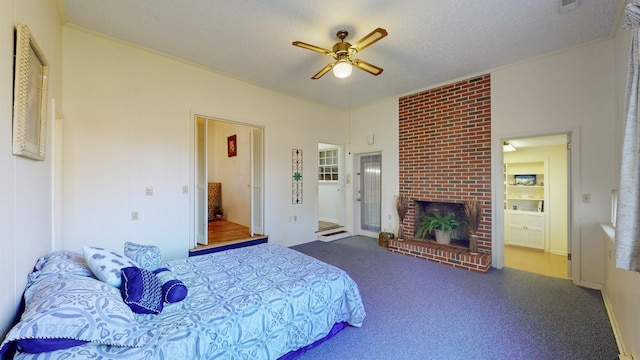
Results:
[149, 190]
[134, 215]
[185, 189]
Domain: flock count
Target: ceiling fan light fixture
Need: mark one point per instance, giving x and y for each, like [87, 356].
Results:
[343, 51]
[342, 69]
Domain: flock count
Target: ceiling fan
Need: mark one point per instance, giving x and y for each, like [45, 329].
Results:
[343, 52]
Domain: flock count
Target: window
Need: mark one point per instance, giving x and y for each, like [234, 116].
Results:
[328, 165]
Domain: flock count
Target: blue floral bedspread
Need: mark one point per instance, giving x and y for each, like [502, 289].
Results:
[257, 302]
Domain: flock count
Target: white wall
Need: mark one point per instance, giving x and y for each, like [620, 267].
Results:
[621, 287]
[567, 91]
[128, 125]
[328, 192]
[622, 294]
[381, 120]
[26, 214]
[556, 180]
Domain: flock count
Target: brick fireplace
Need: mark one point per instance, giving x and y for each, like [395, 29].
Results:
[445, 156]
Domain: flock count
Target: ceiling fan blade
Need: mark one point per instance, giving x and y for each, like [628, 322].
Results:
[371, 38]
[322, 72]
[311, 47]
[363, 65]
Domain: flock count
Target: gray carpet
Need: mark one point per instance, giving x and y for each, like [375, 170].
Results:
[417, 309]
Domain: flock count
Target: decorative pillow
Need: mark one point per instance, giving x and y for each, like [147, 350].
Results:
[63, 311]
[147, 256]
[60, 262]
[141, 290]
[173, 290]
[106, 265]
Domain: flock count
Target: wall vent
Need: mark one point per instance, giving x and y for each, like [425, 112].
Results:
[568, 5]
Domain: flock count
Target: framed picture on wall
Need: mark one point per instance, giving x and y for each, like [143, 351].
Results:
[232, 146]
[30, 96]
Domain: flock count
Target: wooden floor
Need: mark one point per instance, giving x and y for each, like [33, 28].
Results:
[325, 225]
[535, 261]
[222, 232]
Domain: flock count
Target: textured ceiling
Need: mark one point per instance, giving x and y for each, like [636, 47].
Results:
[429, 42]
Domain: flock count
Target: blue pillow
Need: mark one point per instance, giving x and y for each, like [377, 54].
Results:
[173, 290]
[147, 256]
[141, 290]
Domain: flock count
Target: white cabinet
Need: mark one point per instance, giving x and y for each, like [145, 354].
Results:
[526, 228]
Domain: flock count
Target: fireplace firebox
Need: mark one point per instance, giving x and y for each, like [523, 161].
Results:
[459, 236]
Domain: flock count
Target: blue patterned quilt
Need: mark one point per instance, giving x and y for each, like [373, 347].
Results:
[257, 302]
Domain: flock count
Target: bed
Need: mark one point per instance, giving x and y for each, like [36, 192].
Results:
[259, 302]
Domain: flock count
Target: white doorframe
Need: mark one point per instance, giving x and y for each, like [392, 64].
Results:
[339, 200]
[573, 216]
[194, 225]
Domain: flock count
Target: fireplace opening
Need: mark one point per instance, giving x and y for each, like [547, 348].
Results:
[459, 237]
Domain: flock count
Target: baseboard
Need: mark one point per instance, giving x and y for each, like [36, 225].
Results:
[622, 350]
[228, 247]
[591, 285]
[555, 252]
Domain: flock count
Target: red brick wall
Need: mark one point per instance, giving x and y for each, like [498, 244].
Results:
[445, 148]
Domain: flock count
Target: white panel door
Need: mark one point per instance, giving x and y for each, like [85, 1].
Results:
[256, 182]
[201, 182]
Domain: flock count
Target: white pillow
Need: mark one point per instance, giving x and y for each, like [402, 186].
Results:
[106, 265]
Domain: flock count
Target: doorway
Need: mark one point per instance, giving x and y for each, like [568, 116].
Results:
[368, 208]
[229, 168]
[330, 187]
[536, 204]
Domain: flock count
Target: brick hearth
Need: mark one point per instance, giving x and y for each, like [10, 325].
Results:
[455, 256]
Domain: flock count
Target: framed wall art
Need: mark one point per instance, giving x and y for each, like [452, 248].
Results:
[525, 180]
[30, 96]
[296, 169]
[232, 146]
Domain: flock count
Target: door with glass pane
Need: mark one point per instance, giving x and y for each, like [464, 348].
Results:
[370, 194]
